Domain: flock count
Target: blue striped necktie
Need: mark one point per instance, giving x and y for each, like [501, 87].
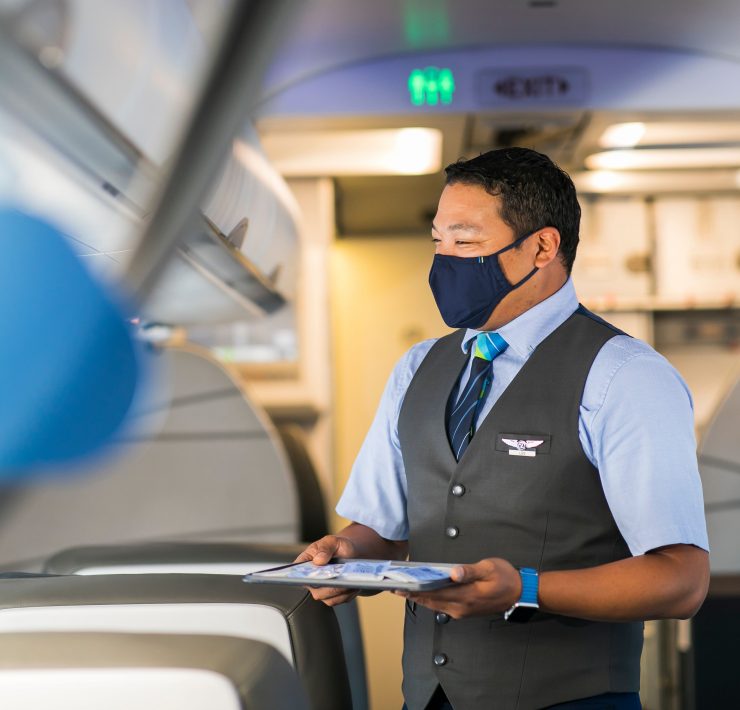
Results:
[464, 412]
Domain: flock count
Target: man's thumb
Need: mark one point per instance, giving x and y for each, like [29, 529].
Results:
[463, 573]
[323, 555]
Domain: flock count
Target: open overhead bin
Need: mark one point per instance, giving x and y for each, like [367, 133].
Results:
[86, 146]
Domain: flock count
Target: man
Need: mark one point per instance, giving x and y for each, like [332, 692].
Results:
[549, 453]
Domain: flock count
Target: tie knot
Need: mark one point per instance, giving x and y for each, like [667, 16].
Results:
[488, 346]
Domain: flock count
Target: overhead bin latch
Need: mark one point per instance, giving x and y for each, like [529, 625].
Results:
[237, 235]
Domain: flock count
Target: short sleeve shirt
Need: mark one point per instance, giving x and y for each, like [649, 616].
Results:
[636, 427]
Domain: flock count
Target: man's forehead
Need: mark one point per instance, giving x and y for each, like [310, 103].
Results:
[466, 208]
[470, 227]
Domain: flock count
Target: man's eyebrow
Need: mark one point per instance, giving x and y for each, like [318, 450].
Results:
[460, 227]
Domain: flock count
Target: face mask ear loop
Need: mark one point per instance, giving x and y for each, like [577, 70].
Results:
[526, 278]
[515, 244]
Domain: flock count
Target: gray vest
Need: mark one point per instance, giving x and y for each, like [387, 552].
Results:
[546, 511]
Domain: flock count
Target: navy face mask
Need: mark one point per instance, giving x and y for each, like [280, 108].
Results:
[467, 289]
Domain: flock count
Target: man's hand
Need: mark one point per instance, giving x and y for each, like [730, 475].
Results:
[320, 553]
[666, 583]
[356, 540]
[488, 587]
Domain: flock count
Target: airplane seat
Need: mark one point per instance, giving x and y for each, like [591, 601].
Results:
[200, 462]
[314, 524]
[711, 676]
[304, 632]
[719, 464]
[213, 558]
[119, 671]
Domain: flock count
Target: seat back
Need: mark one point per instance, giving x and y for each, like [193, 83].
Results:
[303, 631]
[89, 671]
[314, 523]
[719, 463]
[201, 462]
[213, 558]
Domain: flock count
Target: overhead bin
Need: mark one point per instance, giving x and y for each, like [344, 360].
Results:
[87, 149]
[89, 671]
[303, 631]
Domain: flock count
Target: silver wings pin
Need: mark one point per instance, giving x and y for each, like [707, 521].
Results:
[523, 447]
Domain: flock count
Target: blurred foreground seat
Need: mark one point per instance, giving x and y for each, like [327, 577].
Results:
[200, 461]
[305, 632]
[90, 671]
[212, 558]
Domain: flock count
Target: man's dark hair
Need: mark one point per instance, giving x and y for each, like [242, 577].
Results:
[534, 192]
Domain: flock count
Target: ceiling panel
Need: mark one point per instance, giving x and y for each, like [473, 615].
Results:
[332, 33]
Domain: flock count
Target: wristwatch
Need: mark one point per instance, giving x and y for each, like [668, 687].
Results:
[525, 608]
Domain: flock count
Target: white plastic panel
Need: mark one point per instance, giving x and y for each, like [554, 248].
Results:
[612, 260]
[249, 621]
[116, 689]
[698, 248]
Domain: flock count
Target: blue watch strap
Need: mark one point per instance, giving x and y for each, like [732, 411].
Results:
[530, 585]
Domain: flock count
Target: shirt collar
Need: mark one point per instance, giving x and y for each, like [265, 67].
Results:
[528, 330]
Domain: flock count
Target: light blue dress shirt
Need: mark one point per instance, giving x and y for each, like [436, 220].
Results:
[636, 427]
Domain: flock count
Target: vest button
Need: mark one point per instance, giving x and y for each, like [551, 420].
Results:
[452, 531]
[441, 618]
[440, 659]
[458, 490]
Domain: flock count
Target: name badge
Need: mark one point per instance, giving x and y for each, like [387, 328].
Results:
[523, 444]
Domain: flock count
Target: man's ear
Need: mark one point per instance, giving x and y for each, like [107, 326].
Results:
[548, 243]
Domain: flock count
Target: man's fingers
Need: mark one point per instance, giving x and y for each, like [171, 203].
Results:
[321, 551]
[464, 574]
[324, 553]
[305, 556]
[322, 593]
[454, 608]
[332, 595]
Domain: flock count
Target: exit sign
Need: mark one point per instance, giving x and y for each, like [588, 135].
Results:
[431, 86]
[544, 86]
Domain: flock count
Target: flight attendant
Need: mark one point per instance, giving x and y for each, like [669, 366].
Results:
[549, 453]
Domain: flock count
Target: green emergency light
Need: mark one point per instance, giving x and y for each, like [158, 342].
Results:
[431, 86]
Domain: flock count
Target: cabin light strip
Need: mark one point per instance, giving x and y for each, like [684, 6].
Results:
[717, 156]
[670, 133]
[656, 181]
[397, 151]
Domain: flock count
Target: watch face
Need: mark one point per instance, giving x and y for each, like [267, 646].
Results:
[521, 612]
